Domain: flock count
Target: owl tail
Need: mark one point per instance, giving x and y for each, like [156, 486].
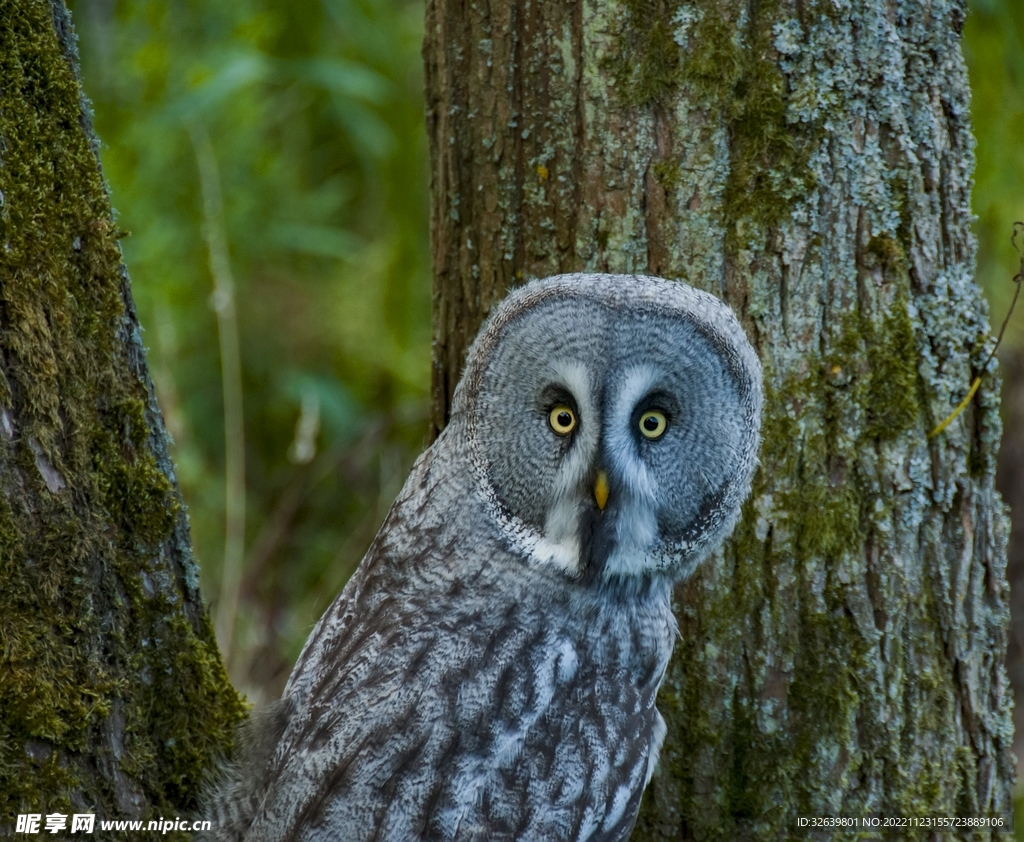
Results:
[238, 787]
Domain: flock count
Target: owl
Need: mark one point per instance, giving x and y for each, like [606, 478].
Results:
[490, 671]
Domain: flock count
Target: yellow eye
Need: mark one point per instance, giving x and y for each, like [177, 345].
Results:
[562, 420]
[653, 424]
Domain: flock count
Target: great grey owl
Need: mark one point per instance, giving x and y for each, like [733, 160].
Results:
[490, 671]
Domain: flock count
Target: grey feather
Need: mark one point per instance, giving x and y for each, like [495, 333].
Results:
[490, 671]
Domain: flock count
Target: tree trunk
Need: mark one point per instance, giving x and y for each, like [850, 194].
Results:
[808, 161]
[113, 697]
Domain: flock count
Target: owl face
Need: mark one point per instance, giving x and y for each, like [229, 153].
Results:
[613, 423]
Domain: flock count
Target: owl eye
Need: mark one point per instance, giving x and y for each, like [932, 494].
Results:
[562, 420]
[653, 424]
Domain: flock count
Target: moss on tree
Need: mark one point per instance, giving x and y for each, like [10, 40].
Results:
[727, 60]
[114, 697]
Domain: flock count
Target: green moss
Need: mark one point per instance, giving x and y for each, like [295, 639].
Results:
[669, 175]
[97, 619]
[941, 778]
[716, 60]
[768, 167]
[823, 696]
[826, 520]
[647, 67]
[136, 493]
[165, 737]
[731, 70]
[892, 402]
[873, 364]
[887, 252]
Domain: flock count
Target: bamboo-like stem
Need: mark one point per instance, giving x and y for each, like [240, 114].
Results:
[223, 303]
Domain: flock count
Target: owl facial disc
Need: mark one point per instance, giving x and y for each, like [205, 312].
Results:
[613, 423]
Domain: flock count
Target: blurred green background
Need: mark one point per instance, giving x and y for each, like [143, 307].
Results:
[994, 50]
[313, 111]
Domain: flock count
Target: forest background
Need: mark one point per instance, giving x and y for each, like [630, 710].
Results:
[267, 162]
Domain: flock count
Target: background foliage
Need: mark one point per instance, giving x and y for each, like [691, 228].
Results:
[994, 49]
[314, 113]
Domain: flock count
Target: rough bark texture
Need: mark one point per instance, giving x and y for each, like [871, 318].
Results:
[810, 162]
[113, 698]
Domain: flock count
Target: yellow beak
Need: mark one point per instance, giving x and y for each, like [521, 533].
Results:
[601, 490]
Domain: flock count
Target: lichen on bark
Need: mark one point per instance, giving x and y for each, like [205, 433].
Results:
[810, 162]
[114, 699]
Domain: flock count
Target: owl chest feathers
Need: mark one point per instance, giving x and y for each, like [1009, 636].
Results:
[529, 716]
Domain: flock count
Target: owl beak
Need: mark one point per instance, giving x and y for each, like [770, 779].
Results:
[601, 490]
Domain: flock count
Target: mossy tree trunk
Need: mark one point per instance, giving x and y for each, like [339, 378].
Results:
[808, 161]
[113, 698]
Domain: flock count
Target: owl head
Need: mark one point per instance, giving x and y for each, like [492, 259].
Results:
[612, 423]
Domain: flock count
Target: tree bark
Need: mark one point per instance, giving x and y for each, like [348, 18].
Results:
[113, 697]
[808, 161]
